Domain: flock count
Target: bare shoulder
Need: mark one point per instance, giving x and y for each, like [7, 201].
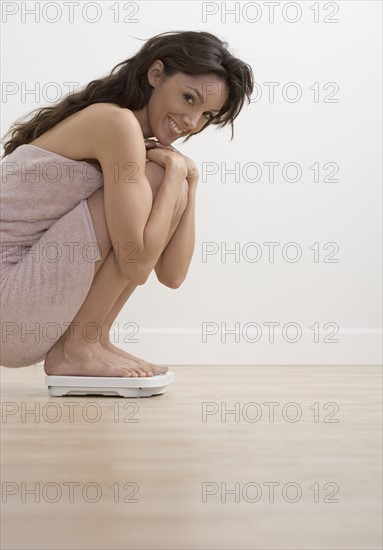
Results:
[112, 126]
[103, 113]
[86, 134]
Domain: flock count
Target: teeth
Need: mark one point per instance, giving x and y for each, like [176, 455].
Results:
[174, 126]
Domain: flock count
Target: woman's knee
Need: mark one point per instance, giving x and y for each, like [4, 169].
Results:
[154, 174]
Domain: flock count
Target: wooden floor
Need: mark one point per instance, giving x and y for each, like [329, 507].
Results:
[175, 472]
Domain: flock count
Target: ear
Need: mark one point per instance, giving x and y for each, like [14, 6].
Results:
[155, 72]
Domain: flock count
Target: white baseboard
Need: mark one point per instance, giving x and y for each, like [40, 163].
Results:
[172, 346]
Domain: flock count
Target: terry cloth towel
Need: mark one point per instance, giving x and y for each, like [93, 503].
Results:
[48, 248]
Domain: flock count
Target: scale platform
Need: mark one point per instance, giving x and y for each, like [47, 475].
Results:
[59, 386]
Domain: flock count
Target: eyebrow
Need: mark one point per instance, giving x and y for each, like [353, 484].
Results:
[200, 98]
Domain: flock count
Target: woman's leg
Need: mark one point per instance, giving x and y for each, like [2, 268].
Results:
[155, 181]
[79, 351]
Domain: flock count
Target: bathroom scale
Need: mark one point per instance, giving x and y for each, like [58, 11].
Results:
[59, 386]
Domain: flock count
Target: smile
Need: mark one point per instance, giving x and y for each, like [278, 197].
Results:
[175, 129]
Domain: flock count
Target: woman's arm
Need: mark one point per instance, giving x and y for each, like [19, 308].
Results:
[174, 261]
[173, 264]
[132, 217]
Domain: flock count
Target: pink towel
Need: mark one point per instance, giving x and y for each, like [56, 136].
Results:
[47, 249]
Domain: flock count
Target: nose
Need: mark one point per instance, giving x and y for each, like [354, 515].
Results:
[191, 121]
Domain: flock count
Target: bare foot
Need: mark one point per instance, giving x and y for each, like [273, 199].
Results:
[90, 360]
[144, 365]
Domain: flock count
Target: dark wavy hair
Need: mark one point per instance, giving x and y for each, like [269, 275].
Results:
[190, 52]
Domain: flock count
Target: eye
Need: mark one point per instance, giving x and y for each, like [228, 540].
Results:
[210, 115]
[187, 95]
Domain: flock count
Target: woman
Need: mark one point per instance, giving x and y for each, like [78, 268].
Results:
[99, 168]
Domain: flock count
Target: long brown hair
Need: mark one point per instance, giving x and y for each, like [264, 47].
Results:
[190, 52]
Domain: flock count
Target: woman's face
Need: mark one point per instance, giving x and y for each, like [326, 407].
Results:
[182, 104]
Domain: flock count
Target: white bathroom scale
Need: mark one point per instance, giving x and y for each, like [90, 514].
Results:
[59, 386]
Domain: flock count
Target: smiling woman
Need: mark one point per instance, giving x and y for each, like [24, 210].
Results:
[190, 53]
[139, 197]
[180, 105]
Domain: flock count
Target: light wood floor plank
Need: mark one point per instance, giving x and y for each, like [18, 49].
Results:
[161, 452]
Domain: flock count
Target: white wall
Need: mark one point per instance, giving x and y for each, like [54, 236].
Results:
[332, 133]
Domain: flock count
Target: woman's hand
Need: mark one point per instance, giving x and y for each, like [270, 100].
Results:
[165, 157]
[192, 169]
